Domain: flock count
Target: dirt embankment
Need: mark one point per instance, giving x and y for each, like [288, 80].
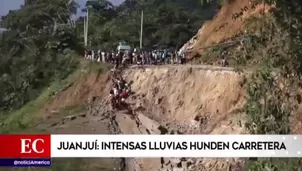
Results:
[228, 23]
[85, 88]
[185, 100]
[167, 100]
[174, 94]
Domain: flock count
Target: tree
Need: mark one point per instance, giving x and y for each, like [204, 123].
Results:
[32, 49]
[169, 23]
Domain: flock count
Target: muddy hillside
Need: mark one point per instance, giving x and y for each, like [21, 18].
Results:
[228, 23]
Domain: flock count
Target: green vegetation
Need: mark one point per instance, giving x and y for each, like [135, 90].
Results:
[28, 117]
[265, 107]
[166, 23]
[272, 95]
[39, 47]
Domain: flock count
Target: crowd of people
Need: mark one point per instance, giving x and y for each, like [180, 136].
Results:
[120, 89]
[154, 57]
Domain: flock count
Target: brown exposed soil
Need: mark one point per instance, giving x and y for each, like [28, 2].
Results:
[86, 87]
[189, 100]
[296, 121]
[180, 94]
[167, 100]
[228, 23]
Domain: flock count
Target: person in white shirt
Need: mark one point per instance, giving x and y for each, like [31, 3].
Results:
[103, 56]
[111, 99]
[89, 55]
[99, 55]
[116, 94]
[93, 55]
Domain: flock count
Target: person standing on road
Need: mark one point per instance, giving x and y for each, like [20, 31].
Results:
[107, 57]
[172, 58]
[103, 55]
[129, 54]
[94, 55]
[113, 56]
[99, 55]
[154, 57]
[89, 55]
[117, 60]
[86, 54]
[183, 58]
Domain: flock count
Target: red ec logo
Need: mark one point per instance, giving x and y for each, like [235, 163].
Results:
[29, 146]
[25, 146]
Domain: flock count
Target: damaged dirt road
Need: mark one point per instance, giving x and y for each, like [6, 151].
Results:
[167, 100]
[180, 100]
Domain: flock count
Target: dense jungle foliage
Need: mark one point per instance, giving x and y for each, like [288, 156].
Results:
[37, 47]
[166, 23]
[272, 95]
[42, 39]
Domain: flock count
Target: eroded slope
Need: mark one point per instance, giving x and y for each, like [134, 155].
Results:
[190, 100]
[179, 99]
[228, 23]
[180, 94]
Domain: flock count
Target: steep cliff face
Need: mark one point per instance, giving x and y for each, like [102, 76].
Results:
[187, 100]
[228, 23]
[180, 94]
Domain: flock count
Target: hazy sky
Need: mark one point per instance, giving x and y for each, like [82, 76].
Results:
[6, 5]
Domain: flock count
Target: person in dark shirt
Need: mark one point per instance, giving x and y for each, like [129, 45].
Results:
[120, 57]
[117, 60]
[130, 56]
[183, 59]
[90, 54]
